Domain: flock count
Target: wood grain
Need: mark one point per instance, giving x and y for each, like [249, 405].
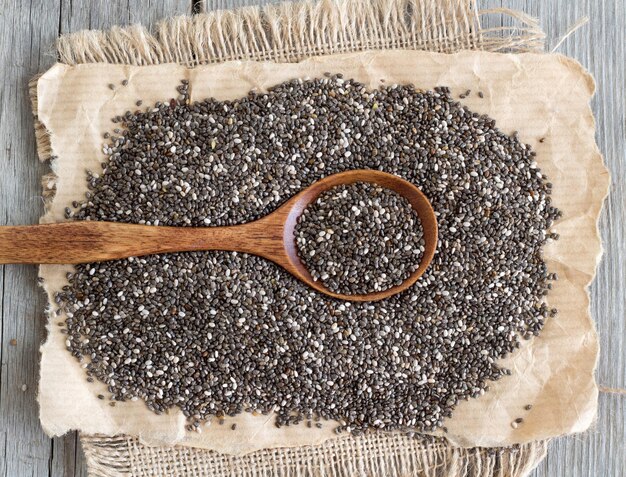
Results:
[287, 215]
[88, 241]
[28, 30]
[599, 46]
[272, 237]
[27, 33]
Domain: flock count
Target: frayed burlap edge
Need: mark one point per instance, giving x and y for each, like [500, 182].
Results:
[290, 32]
[44, 147]
[393, 455]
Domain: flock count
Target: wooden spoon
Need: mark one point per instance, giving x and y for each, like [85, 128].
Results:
[271, 237]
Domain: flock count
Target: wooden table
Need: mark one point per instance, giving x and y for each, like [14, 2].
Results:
[27, 31]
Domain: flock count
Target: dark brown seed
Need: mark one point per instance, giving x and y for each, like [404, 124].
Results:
[341, 239]
[212, 163]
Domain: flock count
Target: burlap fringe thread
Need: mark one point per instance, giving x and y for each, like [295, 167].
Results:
[376, 455]
[289, 32]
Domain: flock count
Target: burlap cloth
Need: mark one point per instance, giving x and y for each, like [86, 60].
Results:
[541, 96]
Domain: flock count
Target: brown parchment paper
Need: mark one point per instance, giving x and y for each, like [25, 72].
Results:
[540, 96]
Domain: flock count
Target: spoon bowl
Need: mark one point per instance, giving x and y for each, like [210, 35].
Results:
[271, 237]
[296, 205]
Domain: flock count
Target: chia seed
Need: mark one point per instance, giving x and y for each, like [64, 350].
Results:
[360, 238]
[214, 333]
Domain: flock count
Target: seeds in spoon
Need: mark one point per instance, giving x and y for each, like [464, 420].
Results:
[360, 238]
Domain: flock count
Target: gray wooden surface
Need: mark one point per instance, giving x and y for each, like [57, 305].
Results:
[27, 31]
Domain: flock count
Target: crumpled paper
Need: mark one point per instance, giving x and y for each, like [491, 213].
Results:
[540, 96]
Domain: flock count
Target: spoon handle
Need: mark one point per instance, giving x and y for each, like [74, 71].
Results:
[91, 241]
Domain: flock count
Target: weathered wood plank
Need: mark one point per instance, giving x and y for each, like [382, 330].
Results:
[26, 31]
[102, 14]
[24, 450]
[97, 15]
[148, 12]
[599, 46]
[68, 459]
[30, 29]
[64, 455]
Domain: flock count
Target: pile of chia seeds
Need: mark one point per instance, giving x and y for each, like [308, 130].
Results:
[360, 238]
[218, 333]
